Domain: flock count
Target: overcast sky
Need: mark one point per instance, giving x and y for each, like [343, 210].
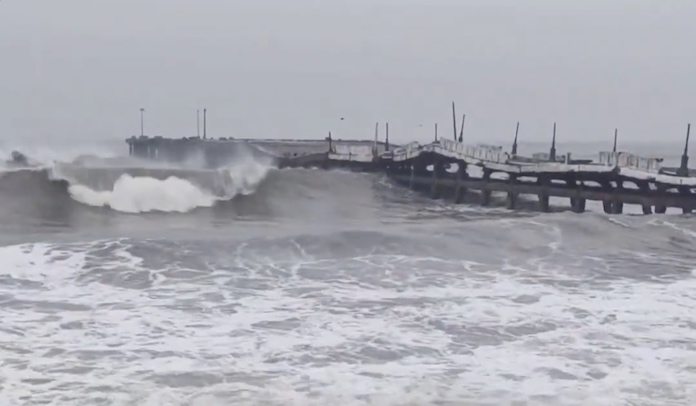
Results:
[83, 68]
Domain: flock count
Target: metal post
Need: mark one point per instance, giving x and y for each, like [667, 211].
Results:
[142, 121]
[461, 132]
[552, 153]
[684, 166]
[454, 122]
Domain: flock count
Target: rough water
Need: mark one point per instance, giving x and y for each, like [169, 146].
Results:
[122, 283]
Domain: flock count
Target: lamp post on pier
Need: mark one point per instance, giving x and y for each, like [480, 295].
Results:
[142, 121]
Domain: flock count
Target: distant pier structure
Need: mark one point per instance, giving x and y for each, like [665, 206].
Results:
[178, 150]
[451, 169]
[219, 152]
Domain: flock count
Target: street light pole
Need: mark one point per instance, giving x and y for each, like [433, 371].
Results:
[142, 122]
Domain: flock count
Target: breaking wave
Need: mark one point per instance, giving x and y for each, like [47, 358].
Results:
[135, 189]
[144, 194]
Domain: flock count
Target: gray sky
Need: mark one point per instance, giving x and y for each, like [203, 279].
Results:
[82, 68]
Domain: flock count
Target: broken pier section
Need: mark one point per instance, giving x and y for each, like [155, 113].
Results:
[617, 179]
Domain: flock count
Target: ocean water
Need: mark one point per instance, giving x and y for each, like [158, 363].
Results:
[126, 283]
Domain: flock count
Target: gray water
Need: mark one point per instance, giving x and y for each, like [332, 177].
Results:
[309, 287]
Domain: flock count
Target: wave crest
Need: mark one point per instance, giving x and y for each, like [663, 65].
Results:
[136, 189]
[145, 194]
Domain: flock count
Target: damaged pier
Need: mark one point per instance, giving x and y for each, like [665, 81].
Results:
[617, 179]
[450, 169]
[285, 153]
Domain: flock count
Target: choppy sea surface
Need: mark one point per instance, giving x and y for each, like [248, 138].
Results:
[122, 283]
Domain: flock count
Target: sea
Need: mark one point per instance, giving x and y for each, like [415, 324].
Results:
[132, 283]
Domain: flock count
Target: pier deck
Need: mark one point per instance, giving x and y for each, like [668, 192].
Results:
[451, 169]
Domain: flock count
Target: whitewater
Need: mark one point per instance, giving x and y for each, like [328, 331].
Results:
[135, 186]
[133, 283]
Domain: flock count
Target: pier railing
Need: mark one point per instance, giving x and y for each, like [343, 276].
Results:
[481, 152]
[407, 151]
[360, 153]
[489, 153]
[546, 157]
[452, 146]
[632, 161]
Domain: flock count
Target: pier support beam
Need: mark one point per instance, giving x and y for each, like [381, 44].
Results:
[544, 182]
[616, 204]
[685, 191]
[577, 204]
[612, 204]
[606, 204]
[460, 190]
[438, 173]
[486, 193]
[511, 202]
[644, 187]
[418, 170]
[140, 150]
[660, 208]
[152, 151]
[412, 177]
